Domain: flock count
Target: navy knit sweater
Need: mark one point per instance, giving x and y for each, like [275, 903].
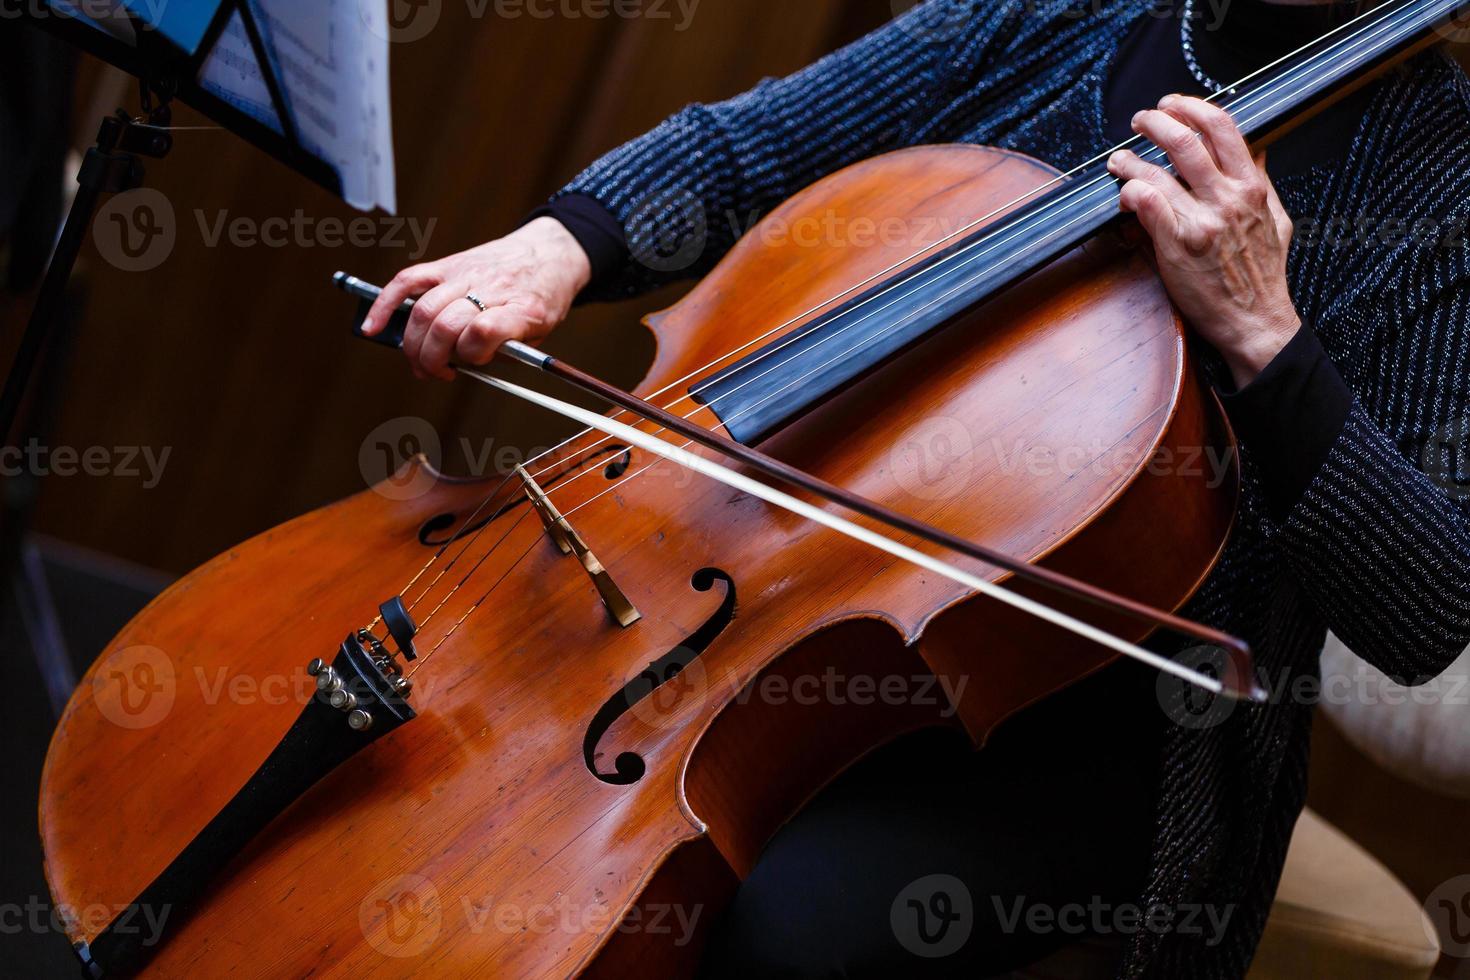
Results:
[1377, 547]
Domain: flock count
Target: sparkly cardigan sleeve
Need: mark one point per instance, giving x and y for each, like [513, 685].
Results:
[1381, 538]
[685, 191]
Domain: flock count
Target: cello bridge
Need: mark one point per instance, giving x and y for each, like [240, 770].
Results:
[569, 542]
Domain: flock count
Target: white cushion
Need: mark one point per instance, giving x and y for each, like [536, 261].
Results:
[1421, 734]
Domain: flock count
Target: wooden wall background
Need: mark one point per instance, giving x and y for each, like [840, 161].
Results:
[236, 359]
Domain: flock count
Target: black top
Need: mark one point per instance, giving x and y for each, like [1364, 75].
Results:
[1293, 412]
[1248, 36]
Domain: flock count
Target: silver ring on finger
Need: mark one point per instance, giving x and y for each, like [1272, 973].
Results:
[477, 301]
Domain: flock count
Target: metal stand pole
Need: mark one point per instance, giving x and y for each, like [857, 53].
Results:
[111, 166]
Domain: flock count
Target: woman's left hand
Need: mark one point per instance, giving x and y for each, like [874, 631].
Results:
[1220, 234]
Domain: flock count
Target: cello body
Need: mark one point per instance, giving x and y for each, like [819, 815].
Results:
[550, 811]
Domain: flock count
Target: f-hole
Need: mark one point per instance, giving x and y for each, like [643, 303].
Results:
[618, 466]
[629, 767]
[431, 531]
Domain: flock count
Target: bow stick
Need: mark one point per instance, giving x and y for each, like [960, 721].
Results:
[1239, 682]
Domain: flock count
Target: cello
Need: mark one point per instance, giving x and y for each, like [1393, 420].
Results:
[564, 717]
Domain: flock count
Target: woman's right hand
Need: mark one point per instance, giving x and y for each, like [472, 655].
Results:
[527, 280]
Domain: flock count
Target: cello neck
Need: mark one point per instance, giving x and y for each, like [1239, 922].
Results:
[779, 382]
[1301, 85]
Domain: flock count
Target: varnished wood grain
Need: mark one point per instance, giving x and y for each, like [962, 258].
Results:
[480, 814]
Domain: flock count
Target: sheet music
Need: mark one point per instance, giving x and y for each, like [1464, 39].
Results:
[332, 58]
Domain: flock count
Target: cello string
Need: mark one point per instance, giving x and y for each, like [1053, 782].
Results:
[1053, 205]
[1056, 204]
[815, 370]
[888, 545]
[881, 542]
[469, 541]
[423, 661]
[475, 567]
[642, 470]
[463, 534]
[1248, 106]
[1153, 154]
[1072, 193]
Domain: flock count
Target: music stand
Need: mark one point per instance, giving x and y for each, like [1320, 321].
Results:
[171, 44]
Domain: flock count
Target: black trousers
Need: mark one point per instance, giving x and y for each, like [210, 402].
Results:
[928, 859]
